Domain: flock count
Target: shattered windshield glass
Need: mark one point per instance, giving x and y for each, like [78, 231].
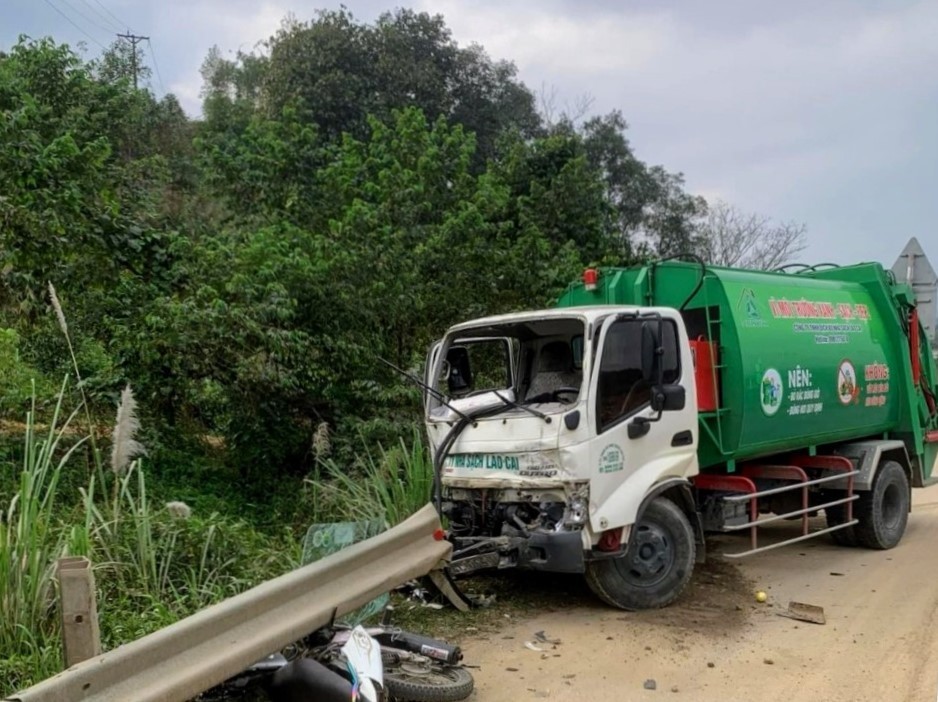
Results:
[523, 364]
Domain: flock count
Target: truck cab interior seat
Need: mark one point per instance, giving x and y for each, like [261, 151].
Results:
[554, 370]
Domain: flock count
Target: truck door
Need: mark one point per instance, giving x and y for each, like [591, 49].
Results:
[623, 468]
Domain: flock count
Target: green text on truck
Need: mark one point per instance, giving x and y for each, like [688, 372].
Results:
[660, 402]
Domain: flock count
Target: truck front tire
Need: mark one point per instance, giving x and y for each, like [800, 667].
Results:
[657, 565]
[883, 511]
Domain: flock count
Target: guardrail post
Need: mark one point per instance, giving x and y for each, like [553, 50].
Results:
[81, 638]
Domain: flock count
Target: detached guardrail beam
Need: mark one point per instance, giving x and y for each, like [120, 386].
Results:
[186, 658]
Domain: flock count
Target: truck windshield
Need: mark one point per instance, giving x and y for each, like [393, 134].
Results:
[535, 362]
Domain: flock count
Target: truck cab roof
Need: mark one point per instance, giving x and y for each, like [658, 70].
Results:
[588, 314]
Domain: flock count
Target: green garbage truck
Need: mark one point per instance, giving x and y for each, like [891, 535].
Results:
[657, 403]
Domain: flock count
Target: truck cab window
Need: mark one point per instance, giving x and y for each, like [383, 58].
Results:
[478, 366]
[622, 391]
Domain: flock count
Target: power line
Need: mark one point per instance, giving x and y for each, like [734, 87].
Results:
[155, 66]
[119, 23]
[71, 22]
[86, 18]
[112, 26]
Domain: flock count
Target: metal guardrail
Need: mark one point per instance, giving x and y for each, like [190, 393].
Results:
[177, 663]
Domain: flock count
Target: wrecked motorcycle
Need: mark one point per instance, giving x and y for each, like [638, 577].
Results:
[342, 664]
[346, 661]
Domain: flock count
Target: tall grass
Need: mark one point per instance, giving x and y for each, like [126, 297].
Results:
[30, 540]
[153, 564]
[392, 483]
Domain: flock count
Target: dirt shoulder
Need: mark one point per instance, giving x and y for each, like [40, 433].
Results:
[717, 643]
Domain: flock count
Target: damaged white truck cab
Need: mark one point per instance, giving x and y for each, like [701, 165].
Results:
[533, 419]
[583, 438]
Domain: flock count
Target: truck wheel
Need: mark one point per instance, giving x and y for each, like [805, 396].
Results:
[883, 512]
[838, 515]
[655, 568]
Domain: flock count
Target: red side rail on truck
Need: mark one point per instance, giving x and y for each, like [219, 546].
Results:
[784, 473]
[837, 467]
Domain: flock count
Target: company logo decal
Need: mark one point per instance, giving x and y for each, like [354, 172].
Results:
[611, 459]
[771, 391]
[848, 390]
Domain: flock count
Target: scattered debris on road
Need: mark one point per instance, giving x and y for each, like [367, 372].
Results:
[543, 638]
[804, 612]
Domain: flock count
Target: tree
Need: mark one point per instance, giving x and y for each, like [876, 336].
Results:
[672, 218]
[119, 62]
[87, 200]
[349, 195]
[648, 211]
[731, 237]
[337, 73]
[554, 190]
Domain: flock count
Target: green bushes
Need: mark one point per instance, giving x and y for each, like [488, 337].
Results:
[245, 271]
[153, 563]
[16, 377]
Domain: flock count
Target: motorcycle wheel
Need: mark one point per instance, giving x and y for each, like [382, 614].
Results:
[425, 680]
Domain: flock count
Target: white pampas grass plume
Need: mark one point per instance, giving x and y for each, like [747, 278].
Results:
[321, 443]
[57, 306]
[179, 510]
[126, 425]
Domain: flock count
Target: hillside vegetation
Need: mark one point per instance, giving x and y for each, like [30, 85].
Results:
[348, 191]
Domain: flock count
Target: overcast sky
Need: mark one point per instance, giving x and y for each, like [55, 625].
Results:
[821, 113]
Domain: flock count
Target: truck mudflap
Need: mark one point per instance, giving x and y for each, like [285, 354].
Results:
[741, 490]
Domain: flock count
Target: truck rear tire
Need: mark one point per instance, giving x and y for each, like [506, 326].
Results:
[657, 565]
[838, 515]
[883, 512]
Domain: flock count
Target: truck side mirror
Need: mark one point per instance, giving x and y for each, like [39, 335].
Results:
[459, 379]
[651, 353]
[668, 398]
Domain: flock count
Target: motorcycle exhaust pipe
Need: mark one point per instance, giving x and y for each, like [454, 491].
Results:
[424, 645]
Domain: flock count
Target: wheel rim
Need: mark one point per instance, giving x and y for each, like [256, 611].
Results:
[422, 673]
[652, 555]
[892, 506]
